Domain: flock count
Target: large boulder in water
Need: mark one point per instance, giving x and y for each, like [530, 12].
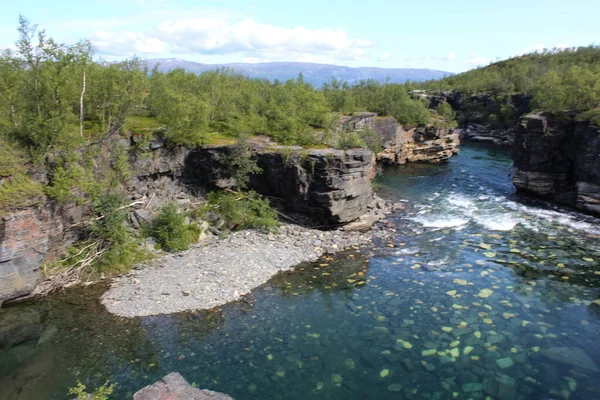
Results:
[18, 326]
[175, 387]
[572, 356]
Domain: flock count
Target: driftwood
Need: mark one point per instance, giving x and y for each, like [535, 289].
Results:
[72, 274]
[60, 276]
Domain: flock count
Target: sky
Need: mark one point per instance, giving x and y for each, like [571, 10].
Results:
[446, 35]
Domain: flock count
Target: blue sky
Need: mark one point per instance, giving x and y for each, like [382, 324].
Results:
[444, 35]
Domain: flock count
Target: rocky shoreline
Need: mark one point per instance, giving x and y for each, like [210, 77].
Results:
[224, 270]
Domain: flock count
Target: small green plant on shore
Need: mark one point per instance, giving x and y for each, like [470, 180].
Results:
[101, 393]
[243, 210]
[171, 230]
[112, 247]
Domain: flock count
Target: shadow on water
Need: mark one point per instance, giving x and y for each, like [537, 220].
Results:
[478, 295]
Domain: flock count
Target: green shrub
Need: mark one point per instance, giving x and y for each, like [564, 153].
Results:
[19, 191]
[363, 139]
[349, 140]
[591, 115]
[240, 164]
[100, 393]
[121, 248]
[243, 210]
[73, 182]
[171, 231]
[12, 160]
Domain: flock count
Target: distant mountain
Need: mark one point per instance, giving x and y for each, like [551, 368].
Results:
[316, 74]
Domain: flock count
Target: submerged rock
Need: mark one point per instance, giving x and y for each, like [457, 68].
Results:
[175, 387]
[18, 326]
[572, 356]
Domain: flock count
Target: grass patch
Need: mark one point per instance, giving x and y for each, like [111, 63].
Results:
[19, 192]
[12, 160]
[141, 124]
[218, 139]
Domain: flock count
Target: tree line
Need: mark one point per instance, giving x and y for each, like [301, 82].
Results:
[558, 80]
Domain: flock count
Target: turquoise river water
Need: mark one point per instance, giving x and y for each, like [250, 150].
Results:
[479, 295]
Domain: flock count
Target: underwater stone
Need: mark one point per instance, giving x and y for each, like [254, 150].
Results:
[471, 387]
[571, 355]
[505, 362]
[395, 387]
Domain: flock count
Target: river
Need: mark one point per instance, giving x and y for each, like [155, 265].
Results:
[480, 293]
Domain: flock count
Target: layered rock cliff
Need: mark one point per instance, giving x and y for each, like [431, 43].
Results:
[402, 145]
[483, 117]
[331, 186]
[557, 158]
[30, 237]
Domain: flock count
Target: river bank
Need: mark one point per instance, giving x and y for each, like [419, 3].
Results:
[224, 270]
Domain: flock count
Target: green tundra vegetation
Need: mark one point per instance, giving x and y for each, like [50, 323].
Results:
[558, 80]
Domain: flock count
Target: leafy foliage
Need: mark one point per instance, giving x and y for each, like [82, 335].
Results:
[101, 393]
[19, 191]
[243, 210]
[122, 249]
[171, 231]
[240, 163]
[518, 74]
[364, 138]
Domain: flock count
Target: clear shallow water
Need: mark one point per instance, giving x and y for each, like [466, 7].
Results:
[479, 294]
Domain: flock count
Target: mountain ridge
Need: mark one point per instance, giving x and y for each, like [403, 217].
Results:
[315, 73]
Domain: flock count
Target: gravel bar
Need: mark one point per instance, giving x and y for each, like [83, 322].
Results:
[221, 271]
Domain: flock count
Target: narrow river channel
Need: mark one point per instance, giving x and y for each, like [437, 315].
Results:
[480, 294]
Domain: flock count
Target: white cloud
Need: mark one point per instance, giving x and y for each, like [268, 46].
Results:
[383, 57]
[450, 57]
[127, 43]
[411, 64]
[478, 61]
[248, 38]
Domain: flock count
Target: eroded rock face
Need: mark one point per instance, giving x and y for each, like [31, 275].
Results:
[421, 144]
[175, 387]
[558, 158]
[30, 237]
[331, 186]
[483, 117]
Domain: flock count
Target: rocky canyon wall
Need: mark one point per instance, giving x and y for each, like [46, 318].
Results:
[483, 117]
[558, 158]
[331, 186]
[402, 145]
